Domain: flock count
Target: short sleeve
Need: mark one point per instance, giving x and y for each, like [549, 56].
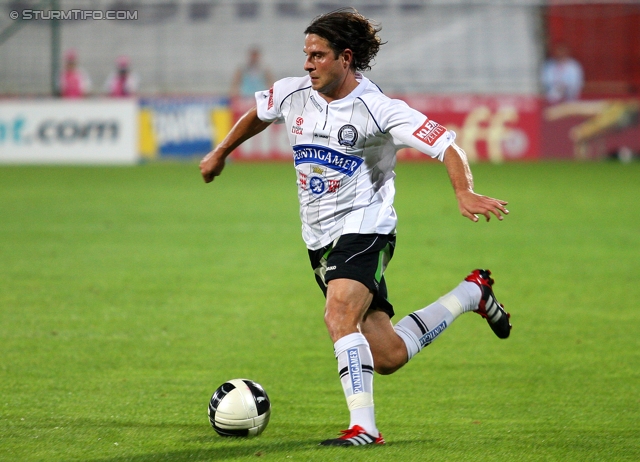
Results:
[410, 128]
[268, 109]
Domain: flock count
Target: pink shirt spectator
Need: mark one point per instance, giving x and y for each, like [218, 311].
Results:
[74, 82]
[122, 82]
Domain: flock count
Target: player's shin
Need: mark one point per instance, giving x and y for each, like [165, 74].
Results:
[422, 327]
[355, 366]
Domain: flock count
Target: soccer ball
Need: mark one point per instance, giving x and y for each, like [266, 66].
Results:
[239, 407]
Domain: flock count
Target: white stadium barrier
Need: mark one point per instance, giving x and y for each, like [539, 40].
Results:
[46, 131]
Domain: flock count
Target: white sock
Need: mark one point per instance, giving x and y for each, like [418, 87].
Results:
[421, 327]
[355, 366]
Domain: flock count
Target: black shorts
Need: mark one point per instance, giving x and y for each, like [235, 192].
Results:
[360, 257]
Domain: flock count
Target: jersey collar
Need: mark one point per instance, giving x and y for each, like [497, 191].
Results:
[363, 82]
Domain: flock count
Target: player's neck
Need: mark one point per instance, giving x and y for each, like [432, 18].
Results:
[342, 90]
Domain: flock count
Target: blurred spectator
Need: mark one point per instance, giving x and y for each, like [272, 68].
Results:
[122, 82]
[251, 78]
[562, 76]
[74, 82]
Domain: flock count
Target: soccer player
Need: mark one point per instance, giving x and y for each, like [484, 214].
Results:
[345, 133]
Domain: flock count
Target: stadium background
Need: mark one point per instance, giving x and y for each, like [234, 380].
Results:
[471, 65]
[128, 294]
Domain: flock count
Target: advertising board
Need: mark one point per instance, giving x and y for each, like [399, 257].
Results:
[97, 131]
[488, 128]
[182, 126]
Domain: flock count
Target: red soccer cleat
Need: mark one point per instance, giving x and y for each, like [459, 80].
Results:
[489, 308]
[355, 436]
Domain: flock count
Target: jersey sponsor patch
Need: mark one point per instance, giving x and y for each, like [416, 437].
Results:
[327, 157]
[429, 132]
[297, 128]
[317, 184]
[322, 133]
[333, 185]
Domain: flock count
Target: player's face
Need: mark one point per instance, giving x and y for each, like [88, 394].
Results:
[327, 71]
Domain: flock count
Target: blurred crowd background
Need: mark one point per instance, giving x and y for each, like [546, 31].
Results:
[433, 46]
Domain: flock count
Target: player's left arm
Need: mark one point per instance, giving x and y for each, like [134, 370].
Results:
[409, 127]
[470, 204]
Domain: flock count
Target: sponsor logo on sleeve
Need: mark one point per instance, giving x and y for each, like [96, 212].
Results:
[270, 102]
[429, 132]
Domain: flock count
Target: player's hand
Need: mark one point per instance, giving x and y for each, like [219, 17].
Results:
[211, 166]
[471, 205]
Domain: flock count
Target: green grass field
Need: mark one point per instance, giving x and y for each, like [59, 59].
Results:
[127, 295]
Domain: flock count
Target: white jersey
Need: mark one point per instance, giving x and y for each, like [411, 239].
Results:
[344, 153]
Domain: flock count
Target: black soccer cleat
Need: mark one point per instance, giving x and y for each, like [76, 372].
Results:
[355, 436]
[489, 308]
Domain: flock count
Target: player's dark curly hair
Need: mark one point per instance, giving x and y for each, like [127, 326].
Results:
[346, 28]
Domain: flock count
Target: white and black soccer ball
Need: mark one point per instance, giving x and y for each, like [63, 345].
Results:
[239, 407]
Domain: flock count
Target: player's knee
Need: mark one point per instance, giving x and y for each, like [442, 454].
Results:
[340, 320]
[330, 321]
[389, 363]
[386, 368]
[339, 309]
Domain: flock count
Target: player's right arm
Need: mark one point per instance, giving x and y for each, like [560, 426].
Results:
[247, 126]
[412, 128]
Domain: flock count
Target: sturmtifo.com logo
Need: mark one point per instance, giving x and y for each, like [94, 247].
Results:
[75, 14]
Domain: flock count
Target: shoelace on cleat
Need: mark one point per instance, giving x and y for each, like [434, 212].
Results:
[358, 436]
[350, 433]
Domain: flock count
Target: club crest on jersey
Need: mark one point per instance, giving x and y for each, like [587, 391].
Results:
[326, 157]
[317, 184]
[429, 132]
[347, 135]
